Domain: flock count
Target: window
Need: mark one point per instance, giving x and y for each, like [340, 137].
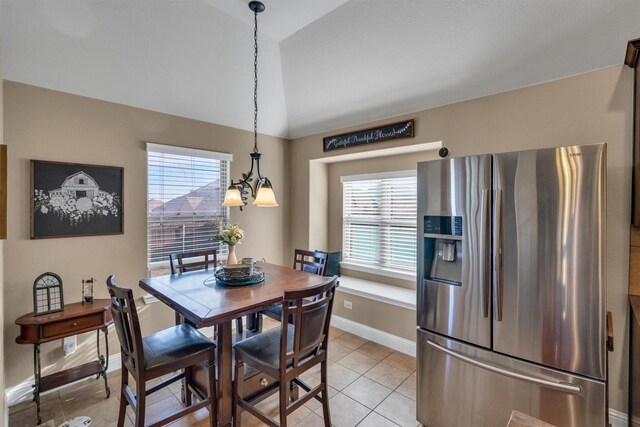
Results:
[379, 222]
[184, 200]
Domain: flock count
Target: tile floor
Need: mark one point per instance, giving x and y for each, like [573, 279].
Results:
[370, 385]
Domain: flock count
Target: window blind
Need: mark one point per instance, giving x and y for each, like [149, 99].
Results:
[379, 221]
[184, 205]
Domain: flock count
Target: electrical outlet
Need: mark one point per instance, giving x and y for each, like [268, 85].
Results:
[348, 304]
[69, 345]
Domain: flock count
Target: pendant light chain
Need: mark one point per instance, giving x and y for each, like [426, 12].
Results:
[260, 188]
[255, 83]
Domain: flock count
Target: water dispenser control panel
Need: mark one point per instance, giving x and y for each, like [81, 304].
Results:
[447, 225]
[443, 250]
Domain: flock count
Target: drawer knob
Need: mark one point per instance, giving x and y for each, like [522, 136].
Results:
[75, 323]
[264, 382]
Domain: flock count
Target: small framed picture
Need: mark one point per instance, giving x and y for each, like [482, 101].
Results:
[71, 199]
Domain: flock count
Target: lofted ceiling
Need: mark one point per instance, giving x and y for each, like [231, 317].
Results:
[324, 64]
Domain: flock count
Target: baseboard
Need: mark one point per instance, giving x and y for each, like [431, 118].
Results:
[24, 392]
[400, 344]
[617, 418]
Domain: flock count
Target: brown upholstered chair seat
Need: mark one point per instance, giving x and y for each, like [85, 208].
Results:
[172, 345]
[262, 351]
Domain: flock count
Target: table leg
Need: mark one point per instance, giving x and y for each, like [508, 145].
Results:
[225, 367]
[37, 371]
[254, 322]
[104, 359]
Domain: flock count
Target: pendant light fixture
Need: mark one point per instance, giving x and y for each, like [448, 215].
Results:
[261, 191]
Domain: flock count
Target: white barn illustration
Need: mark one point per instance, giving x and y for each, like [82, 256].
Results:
[78, 185]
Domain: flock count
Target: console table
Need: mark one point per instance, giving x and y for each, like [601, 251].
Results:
[73, 320]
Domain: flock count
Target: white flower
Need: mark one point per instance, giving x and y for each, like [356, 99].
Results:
[44, 210]
[84, 204]
[105, 212]
[71, 202]
[56, 201]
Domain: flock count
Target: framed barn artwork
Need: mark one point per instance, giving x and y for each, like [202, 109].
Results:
[71, 199]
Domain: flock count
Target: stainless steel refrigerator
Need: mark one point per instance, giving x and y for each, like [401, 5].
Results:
[511, 288]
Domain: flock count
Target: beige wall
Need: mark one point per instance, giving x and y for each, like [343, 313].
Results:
[588, 108]
[47, 125]
[3, 421]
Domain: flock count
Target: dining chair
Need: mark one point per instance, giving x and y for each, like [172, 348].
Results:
[179, 348]
[287, 352]
[197, 260]
[314, 262]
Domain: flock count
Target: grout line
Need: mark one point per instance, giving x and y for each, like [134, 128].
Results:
[174, 395]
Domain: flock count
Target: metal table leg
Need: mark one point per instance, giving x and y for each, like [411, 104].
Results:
[37, 373]
[104, 359]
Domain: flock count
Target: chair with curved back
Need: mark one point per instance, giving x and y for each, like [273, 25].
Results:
[180, 347]
[314, 262]
[287, 352]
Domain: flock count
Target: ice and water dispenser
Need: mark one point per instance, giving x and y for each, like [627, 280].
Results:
[443, 250]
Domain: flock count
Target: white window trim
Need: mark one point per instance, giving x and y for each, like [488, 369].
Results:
[379, 175]
[184, 151]
[380, 271]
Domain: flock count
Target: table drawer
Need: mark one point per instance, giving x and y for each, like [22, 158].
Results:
[67, 327]
[255, 382]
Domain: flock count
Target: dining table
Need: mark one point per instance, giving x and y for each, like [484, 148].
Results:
[202, 302]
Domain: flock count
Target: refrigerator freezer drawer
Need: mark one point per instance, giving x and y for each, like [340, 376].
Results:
[462, 385]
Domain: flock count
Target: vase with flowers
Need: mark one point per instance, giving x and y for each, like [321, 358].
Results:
[231, 235]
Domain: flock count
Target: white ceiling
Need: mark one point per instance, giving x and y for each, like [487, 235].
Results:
[324, 64]
[281, 17]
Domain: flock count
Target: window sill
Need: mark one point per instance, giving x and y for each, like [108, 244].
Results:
[380, 272]
[389, 294]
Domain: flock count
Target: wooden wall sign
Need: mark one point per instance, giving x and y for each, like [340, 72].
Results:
[369, 136]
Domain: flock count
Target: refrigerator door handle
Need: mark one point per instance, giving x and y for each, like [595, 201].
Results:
[497, 253]
[558, 385]
[486, 279]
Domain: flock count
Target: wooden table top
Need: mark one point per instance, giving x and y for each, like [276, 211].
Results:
[71, 311]
[207, 304]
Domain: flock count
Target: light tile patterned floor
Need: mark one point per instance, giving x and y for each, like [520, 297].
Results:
[370, 385]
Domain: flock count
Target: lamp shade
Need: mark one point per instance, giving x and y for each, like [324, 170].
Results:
[265, 196]
[233, 197]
